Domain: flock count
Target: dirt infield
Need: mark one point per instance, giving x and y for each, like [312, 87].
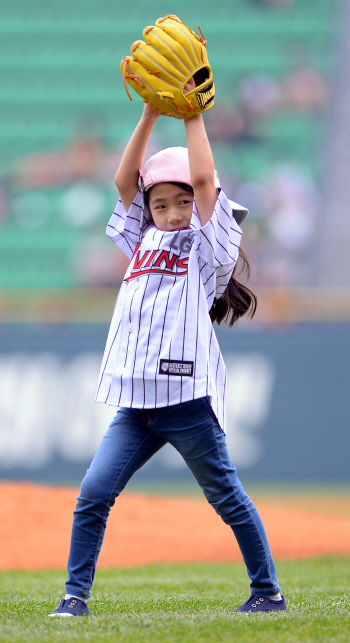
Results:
[36, 522]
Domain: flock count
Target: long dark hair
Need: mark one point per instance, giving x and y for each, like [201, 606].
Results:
[237, 300]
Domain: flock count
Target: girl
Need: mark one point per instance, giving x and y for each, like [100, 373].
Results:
[162, 364]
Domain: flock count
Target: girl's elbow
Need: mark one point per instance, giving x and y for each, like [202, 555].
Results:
[120, 180]
[126, 182]
[121, 186]
[203, 181]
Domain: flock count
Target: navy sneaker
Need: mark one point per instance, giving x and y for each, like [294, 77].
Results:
[71, 607]
[262, 604]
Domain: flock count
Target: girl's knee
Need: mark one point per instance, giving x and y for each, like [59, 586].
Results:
[230, 502]
[224, 485]
[96, 490]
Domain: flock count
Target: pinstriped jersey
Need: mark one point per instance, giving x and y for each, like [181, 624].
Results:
[161, 348]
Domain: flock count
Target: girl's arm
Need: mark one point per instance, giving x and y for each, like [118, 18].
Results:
[201, 167]
[127, 175]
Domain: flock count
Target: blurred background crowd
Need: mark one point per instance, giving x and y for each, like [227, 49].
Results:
[66, 120]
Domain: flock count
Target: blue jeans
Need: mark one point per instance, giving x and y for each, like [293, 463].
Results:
[132, 438]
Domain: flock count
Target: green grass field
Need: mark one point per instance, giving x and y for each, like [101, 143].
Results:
[181, 604]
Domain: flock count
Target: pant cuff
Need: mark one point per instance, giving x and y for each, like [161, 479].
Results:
[77, 592]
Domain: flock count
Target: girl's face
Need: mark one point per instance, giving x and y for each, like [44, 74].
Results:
[171, 207]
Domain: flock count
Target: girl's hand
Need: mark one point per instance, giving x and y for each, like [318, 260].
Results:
[189, 86]
[149, 113]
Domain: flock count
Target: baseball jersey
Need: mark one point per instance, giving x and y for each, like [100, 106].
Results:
[161, 348]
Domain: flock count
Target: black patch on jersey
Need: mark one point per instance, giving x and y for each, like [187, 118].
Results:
[175, 367]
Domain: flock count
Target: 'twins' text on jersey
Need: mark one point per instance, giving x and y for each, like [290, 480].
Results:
[159, 261]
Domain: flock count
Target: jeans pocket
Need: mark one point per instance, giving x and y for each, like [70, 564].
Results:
[207, 407]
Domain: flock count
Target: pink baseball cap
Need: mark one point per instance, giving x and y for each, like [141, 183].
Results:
[172, 165]
[166, 166]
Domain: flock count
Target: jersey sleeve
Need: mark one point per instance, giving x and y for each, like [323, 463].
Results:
[126, 228]
[218, 243]
[221, 236]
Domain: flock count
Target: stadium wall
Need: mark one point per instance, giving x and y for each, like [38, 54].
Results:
[288, 402]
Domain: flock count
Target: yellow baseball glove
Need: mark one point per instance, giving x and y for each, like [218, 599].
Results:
[161, 66]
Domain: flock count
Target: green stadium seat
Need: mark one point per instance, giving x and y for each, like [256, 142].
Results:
[60, 63]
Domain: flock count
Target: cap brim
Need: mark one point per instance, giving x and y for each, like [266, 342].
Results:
[239, 213]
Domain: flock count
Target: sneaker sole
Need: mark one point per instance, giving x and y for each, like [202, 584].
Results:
[57, 615]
